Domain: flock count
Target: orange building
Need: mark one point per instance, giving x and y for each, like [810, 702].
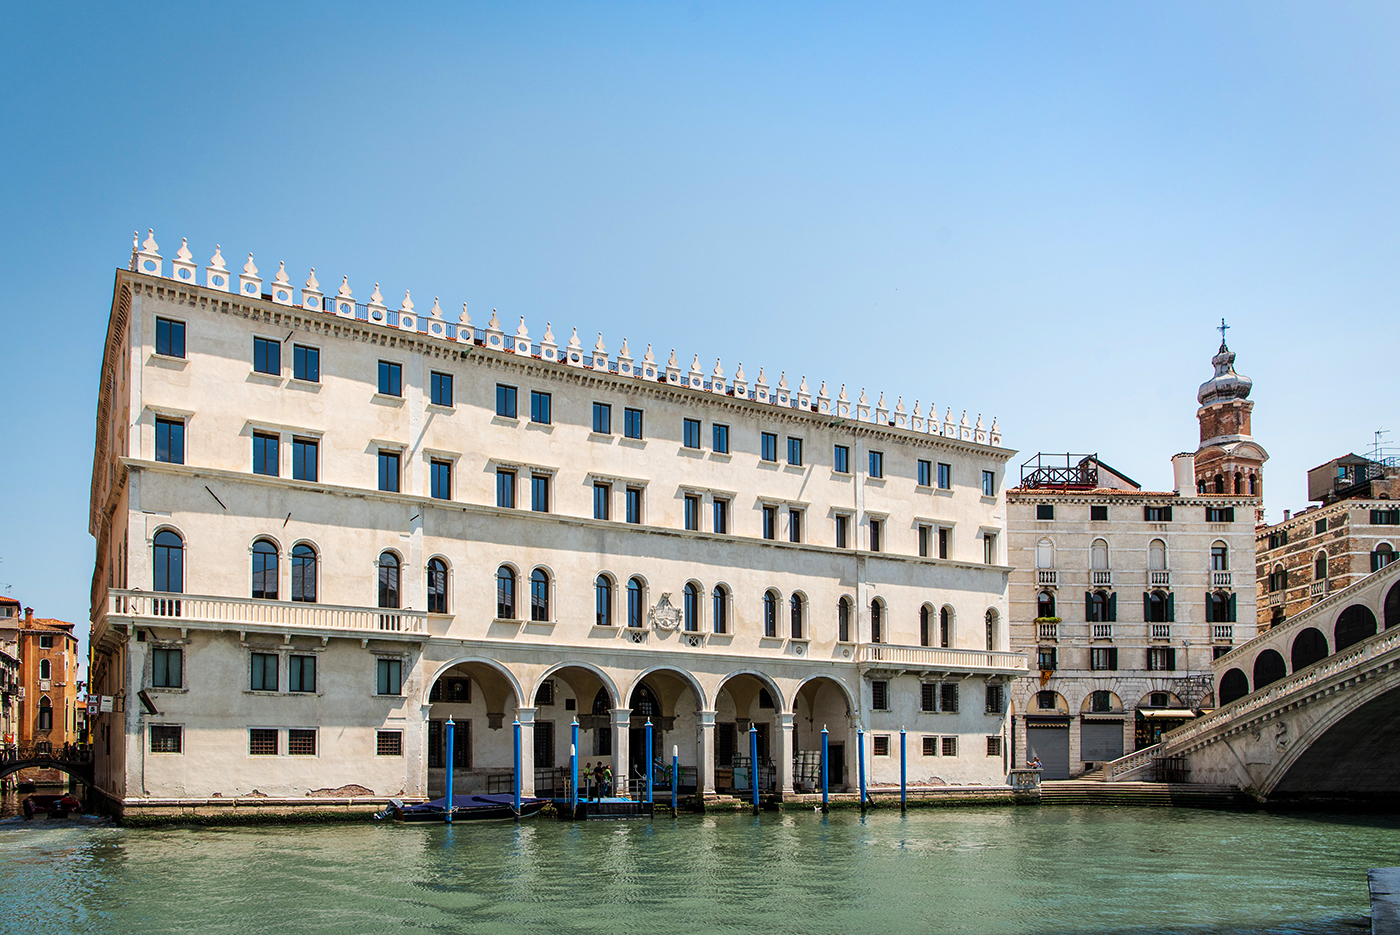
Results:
[50, 713]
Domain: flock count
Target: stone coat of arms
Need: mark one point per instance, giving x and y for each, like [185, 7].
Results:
[665, 616]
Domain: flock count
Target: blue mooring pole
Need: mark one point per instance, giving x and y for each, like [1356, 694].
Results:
[903, 760]
[860, 761]
[753, 765]
[675, 777]
[573, 768]
[825, 753]
[651, 796]
[517, 768]
[451, 729]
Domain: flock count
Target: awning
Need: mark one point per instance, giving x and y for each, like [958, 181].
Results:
[1166, 713]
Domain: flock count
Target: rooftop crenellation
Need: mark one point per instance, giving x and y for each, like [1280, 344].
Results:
[146, 258]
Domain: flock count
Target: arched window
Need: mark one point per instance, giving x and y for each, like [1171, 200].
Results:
[505, 593]
[1201, 486]
[1233, 685]
[1253, 484]
[1100, 702]
[690, 608]
[945, 627]
[1278, 579]
[602, 703]
[1382, 556]
[1047, 700]
[1097, 607]
[388, 579]
[1045, 604]
[1320, 566]
[1239, 483]
[1220, 483]
[539, 595]
[1098, 555]
[169, 572]
[45, 713]
[603, 600]
[720, 613]
[1219, 557]
[1355, 624]
[636, 603]
[991, 617]
[437, 586]
[1309, 646]
[877, 621]
[264, 570]
[797, 610]
[924, 626]
[1220, 607]
[304, 573]
[45, 667]
[770, 613]
[1045, 554]
[1157, 555]
[843, 620]
[1156, 610]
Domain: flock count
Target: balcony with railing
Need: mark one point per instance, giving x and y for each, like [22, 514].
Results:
[1049, 631]
[1100, 578]
[1160, 578]
[1220, 579]
[1047, 577]
[928, 658]
[198, 610]
[1222, 632]
[1317, 589]
[1161, 631]
[1103, 631]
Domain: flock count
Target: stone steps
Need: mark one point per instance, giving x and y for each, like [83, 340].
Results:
[1096, 792]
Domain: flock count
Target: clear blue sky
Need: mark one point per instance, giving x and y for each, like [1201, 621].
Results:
[1036, 211]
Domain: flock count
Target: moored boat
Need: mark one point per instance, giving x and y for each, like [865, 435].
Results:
[464, 808]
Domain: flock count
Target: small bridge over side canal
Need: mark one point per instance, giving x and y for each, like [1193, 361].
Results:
[76, 763]
[1309, 711]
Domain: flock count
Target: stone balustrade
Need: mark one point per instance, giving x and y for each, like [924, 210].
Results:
[934, 659]
[185, 610]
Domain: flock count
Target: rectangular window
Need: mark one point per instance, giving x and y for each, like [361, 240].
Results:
[841, 459]
[948, 696]
[505, 400]
[1157, 514]
[539, 493]
[945, 476]
[877, 464]
[264, 674]
[843, 529]
[262, 741]
[540, 408]
[928, 697]
[632, 423]
[267, 356]
[995, 699]
[166, 738]
[993, 745]
[692, 512]
[1220, 514]
[930, 746]
[1044, 511]
[943, 534]
[880, 695]
[690, 433]
[390, 676]
[925, 540]
[441, 481]
[170, 441]
[989, 484]
[505, 489]
[301, 741]
[1104, 660]
[795, 451]
[602, 419]
[440, 389]
[721, 516]
[170, 338]
[720, 438]
[306, 363]
[1098, 514]
[389, 471]
[166, 665]
[544, 744]
[925, 473]
[602, 501]
[950, 746]
[989, 548]
[388, 743]
[876, 528]
[770, 522]
[1319, 527]
[301, 674]
[881, 743]
[1161, 659]
[1385, 517]
[265, 454]
[634, 505]
[794, 525]
[305, 454]
[390, 378]
[46, 641]
[768, 446]
[1047, 658]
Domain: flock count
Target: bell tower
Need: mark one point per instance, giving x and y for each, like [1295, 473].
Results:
[1229, 462]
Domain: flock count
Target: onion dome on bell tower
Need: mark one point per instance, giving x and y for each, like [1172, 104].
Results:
[1229, 462]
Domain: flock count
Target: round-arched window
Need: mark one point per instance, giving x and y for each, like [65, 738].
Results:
[505, 593]
[690, 608]
[169, 571]
[602, 601]
[770, 613]
[264, 570]
[388, 580]
[304, 573]
[539, 595]
[636, 603]
[797, 610]
[720, 611]
[437, 586]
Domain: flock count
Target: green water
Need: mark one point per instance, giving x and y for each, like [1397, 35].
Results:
[1004, 870]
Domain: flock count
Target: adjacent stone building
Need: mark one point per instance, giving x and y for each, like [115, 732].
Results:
[1123, 596]
[324, 526]
[48, 696]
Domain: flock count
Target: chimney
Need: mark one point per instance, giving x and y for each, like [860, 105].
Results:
[1184, 474]
[1287, 514]
[29, 616]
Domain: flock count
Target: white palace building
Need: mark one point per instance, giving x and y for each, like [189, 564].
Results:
[325, 526]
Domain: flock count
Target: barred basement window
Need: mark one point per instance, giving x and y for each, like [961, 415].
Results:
[993, 745]
[166, 738]
[301, 741]
[880, 695]
[928, 696]
[388, 743]
[544, 698]
[994, 699]
[262, 741]
[930, 746]
[882, 744]
[950, 697]
[950, 746]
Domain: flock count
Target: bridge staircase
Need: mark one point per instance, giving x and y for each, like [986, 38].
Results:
[1181, 794]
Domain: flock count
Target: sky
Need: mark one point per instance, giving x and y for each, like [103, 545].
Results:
[1036, 212]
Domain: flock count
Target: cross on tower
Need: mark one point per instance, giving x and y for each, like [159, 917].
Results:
[1222, 329]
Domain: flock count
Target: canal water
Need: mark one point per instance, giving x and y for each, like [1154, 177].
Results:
[970, 870]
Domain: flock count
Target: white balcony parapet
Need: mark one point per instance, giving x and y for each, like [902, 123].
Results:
[928, 657]
[1317, 588]
[1101, 577]
[1103, 631]
[1161, 631]
[1159, 579]
[1220, 579]
[1047, 577]
[1050, 631]
[177, 610]
[1223, 632]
